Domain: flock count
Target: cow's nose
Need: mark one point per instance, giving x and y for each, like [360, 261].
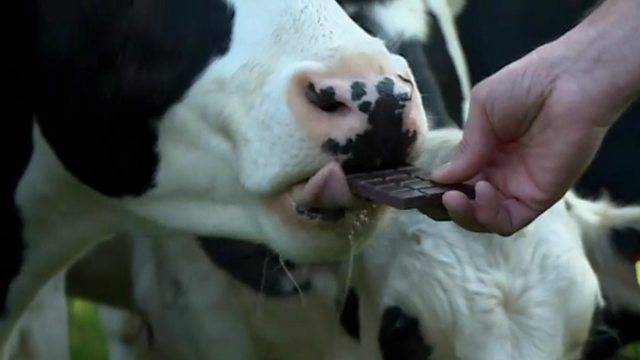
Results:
[367, 121]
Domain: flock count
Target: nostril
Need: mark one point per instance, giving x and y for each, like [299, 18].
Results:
[325, 99]
[405, 79]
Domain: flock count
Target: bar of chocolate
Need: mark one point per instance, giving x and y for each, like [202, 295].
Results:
[404, 188]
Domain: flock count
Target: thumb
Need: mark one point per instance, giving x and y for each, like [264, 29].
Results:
[475, 149]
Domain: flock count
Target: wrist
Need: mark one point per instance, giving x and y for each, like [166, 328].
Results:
[601, 57]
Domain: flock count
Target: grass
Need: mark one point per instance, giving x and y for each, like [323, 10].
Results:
[85, 333]
[632, 351]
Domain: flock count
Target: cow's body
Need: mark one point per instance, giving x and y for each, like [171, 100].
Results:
[233, 119]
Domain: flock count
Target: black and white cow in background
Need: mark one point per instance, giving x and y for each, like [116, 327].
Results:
[219, 118]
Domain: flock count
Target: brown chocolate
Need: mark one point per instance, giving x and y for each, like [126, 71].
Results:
[405, 188]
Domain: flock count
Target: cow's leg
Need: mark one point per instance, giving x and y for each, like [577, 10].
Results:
[51, 248]
[42, 333]
[61, 221]
[42, 267]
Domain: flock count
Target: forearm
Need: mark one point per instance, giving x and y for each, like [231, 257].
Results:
[603, 54]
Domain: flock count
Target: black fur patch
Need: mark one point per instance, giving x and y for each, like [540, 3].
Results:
[107, 70]
[350, 317]
[253, 265]
[610, 331]
[625, 324]
[603, 342]
[358, 90]
[626, 242]
[16, 141]
[325, 99]
[385, 144]
[15, 135]
[400, 337]
[365, 106]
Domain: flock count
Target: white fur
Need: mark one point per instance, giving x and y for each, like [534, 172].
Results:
[446, 11]
[197, 311]
[125, 333]
[402, 19]
[43, 332]
[480, 296]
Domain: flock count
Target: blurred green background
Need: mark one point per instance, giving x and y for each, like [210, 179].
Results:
[85, 334]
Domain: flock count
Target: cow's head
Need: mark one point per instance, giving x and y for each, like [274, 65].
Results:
[480, 296]
[536, 295]
[454, 294]
[229, 118]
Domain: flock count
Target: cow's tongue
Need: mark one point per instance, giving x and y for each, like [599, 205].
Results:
[327, 189]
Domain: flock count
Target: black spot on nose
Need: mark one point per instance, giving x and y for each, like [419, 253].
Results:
[400, 337]
[385, 86]
[358, 91]
[325, 99]
[365, 106]
[385, 143]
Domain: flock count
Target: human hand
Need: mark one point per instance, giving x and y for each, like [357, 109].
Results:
[535, 125]
[532, 130]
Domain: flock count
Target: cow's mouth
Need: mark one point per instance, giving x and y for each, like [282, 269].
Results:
[325, 196]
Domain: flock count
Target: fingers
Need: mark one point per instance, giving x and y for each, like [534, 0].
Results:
[462, 211]
[489, 212]
[476, 147]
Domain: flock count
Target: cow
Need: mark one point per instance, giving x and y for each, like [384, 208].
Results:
[420, 289]
[234, 119]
